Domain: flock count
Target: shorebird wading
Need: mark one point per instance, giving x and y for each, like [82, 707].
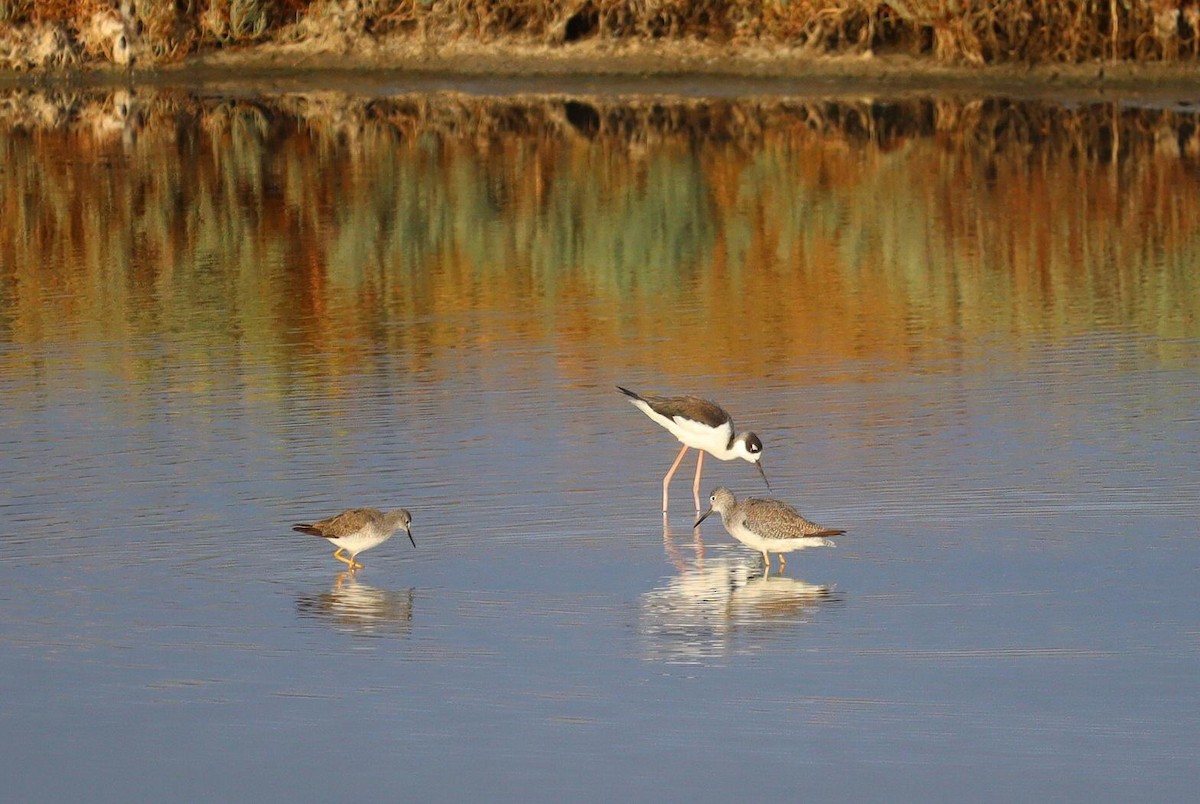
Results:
[702, 425]
[358, 529]
[769, 526]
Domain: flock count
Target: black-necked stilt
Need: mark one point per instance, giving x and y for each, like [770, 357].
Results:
[358, 529]
[769, 526]
[702, 425]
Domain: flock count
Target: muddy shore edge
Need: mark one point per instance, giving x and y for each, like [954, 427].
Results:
[393, 64]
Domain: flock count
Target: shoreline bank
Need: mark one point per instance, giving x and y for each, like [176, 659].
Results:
[675, 67]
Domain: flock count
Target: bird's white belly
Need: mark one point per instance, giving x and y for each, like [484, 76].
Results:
[713, 440]
[752, 539]
[358, 542]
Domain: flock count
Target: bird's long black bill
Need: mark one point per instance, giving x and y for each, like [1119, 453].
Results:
[703, 517]
[762, 472]
[410, 538]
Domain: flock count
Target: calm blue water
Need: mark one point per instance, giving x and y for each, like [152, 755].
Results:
[1014, 613]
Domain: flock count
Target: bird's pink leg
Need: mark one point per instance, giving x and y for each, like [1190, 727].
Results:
[696, 485]
[670, 474]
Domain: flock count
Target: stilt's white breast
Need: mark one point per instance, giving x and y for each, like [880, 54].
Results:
[694, 434]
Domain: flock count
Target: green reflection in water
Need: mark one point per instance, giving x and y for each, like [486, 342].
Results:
[688, 231]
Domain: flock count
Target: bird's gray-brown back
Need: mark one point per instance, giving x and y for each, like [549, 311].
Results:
[348, 522]
[688, 407]
[772, 519]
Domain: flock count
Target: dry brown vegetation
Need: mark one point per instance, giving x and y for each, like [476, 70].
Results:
[49, 33]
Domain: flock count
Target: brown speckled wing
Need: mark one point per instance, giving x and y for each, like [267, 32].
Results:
[347, 522]
[772, 519]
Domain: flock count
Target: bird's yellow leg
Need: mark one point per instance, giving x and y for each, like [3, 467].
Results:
[671, 474]
[767, 562]
[338, 555]
[782, 562]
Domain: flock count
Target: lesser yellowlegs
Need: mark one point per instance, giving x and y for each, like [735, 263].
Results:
[769, 526]
[702, 425]
[358, 529]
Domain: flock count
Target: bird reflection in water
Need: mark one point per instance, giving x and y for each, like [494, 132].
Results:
[720, 594]
[354, 607]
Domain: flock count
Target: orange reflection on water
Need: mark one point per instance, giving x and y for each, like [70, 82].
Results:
[316, 233]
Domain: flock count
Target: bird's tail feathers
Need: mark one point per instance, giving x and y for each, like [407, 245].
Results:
[309, 529]
[627, 392]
